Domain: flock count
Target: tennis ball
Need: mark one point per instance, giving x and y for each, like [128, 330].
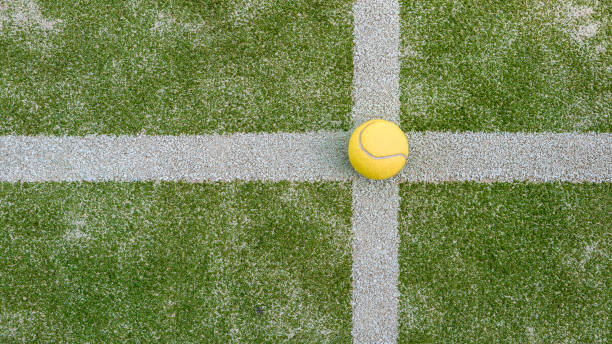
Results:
[378, 149]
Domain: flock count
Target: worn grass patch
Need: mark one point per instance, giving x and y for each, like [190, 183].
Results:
[167, 67]
[506, 65]
[175, 262]
[505, 263]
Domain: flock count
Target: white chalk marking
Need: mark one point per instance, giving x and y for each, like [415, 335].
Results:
[375, 203]
[434, 157]
[270, 157]
[506, 157]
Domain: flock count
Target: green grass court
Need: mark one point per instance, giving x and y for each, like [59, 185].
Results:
[174, 67]
[171, 67]
[505, 263]
[506, 65]
[145, 262]
[271, 262]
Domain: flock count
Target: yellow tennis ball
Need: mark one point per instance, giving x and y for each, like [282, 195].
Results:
[378, 149]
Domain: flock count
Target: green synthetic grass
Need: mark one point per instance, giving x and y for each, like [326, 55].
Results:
[166, 67]
[175, 262]
[506, 65]
[505, 263]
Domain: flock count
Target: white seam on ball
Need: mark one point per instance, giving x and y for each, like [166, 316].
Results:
[370, 154]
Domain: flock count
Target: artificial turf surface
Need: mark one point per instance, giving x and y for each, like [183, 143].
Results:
[506, 65]
[505, 263]
[80, 67]
[175, 262]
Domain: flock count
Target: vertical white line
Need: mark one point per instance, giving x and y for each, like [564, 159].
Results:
[375, 203]
[376, 60]
[375, 264]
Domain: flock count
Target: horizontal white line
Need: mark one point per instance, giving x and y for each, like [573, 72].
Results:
[270, 157]
[434, 157]
[541, 157]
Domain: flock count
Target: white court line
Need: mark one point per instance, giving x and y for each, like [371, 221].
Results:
[270, 157]
[375, 203]
[434, 157]
[505, 157]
